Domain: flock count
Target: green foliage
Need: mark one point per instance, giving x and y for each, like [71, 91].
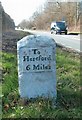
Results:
[68, 90]
[9, 73]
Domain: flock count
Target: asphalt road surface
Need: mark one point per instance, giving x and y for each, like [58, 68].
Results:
[70, 41]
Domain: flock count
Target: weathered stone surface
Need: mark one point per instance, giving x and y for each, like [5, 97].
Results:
[36, 66]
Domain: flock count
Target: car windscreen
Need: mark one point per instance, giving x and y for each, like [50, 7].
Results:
[60, 24]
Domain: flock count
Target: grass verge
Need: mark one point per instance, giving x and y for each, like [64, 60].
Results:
[68, 90]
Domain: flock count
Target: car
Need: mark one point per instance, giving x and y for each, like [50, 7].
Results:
[59, 27]
[33, 28]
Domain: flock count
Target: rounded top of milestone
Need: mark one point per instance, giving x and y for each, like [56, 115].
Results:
[38, 40]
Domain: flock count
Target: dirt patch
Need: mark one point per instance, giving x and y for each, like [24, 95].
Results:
[74, 29]
[10, 38]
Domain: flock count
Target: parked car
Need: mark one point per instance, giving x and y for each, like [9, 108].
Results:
[59, 27]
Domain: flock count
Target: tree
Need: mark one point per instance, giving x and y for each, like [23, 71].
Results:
[55, 11]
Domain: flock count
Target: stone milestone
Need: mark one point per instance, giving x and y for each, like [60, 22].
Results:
[36, 66]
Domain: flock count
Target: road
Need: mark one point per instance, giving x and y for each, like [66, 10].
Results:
[69, 41]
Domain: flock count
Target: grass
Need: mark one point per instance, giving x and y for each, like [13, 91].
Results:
[68, 90]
